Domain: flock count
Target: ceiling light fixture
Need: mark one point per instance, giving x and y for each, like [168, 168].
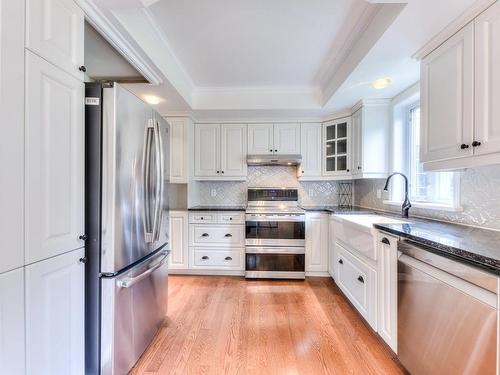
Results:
[152, 99]
[381, 83]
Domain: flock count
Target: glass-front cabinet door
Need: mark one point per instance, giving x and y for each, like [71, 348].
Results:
[337, 146]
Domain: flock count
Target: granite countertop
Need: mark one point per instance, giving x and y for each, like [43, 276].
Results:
[217, 208]
[354, 210]
[473, 245]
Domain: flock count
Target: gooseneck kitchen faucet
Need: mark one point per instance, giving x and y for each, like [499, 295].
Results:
[405, 208]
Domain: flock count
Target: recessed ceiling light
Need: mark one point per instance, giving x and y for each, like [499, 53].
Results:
[381, 83]
[152, 99]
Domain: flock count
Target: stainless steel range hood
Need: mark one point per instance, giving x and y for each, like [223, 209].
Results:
[293, 159]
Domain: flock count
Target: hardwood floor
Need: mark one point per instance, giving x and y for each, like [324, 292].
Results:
[227, 325]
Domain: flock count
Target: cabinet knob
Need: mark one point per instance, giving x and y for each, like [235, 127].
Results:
[82, 68]
[463, 146]
[271, 150]
[385, 240]
[348, 170]
[217, 171]
[228, 258]
[476, 144]
[222, 172]
[360, 279]
[228, 235]
[302, 171]
[359, 167]
[341, 261]
[205, 235]
[83, 237]
[230, 218]
[83, 260]
[204, 257]
[275, 150]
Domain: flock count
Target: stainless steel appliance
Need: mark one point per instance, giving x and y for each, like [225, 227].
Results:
[292, 159]
[127, 177]
[447, 316]
[275, 234]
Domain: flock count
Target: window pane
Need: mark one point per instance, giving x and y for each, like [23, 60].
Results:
[341, 163]
[330, 132]
[342, 146]
[342, 130]
[330, 148]
[330, 164]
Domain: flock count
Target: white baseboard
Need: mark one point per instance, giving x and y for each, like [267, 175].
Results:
[318, 274]
[206, 272]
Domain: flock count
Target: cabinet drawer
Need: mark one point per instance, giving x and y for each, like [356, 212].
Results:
[358, 282]
[357, 238]
[209, 258]
[203, 217]
[217, 235]
[232, 218]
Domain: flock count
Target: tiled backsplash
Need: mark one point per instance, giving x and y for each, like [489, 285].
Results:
[235, 193]
[479, 196]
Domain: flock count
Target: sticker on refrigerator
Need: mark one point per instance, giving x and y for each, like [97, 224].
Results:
[91, 101]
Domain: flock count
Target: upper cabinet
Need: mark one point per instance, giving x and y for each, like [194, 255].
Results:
[179, 130]
[54, 31]
[337, 147]
[460, 89]
[274, 139]
[54, 160]
[11, 136]
[370, 139]
[220, 151]
[310, 145]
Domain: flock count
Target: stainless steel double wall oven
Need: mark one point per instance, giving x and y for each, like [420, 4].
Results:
[275, 234]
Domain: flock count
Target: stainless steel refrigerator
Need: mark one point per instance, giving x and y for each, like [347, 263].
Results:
[127, 245]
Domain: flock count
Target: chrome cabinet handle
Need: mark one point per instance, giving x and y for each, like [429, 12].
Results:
[360, 279]
[341, 261]
[204, 257]
[228, 258]
[228, 235]
[205, 235]
[385, 240]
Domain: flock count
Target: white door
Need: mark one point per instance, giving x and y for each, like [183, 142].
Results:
[233, 150]
[287, 138]
[357, 145]
[207, 150]
[55, 31]
[260, 139]
[310, 146]
[447, 99]
[12, 360]
[317, 242]
[178, 258]
[11, 134]
[179, 149]
[55, 315]
[54, 160]
[487, 81]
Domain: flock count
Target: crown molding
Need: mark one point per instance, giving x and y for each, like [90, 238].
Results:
[119, 41]
[453, 27]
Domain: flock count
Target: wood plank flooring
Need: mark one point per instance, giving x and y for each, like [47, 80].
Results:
[227, 325]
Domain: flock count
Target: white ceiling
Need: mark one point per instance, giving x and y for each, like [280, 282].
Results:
[241, 43]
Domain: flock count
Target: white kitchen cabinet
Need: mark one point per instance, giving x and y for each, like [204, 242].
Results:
[310, 146]
[317, 225]
[487, 81]
[179, 149]
[178, 258]
[447, 99]
[260, 139]
[11, 135]
[55, 31]
[207, 150]
[54, 160]
[12, 353]
[55, 315]
[371, 139]
[233, 150]
[220, 151]
[332, 258]
[337, 147]
[358, 281]
[287, 139]
[387, 247]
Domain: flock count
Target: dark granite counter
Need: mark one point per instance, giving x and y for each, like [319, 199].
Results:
[217, 208]
[473, 245]
[354, 210]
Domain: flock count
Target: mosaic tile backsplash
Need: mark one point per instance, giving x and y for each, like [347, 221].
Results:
[235, 193]
[479, 197]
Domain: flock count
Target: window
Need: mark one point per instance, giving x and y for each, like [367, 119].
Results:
[427, 189]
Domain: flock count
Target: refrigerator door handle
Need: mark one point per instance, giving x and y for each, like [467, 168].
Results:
[159, 183]
[128, 282]
[146, 181]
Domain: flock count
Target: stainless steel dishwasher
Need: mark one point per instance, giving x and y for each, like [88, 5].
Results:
[447, 314]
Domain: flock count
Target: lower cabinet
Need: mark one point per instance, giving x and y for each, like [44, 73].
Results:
[317, 224]
[358, 281]
[54, 297]
[12, 360]
[225, 259]
[178, 258]
[331, 249]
